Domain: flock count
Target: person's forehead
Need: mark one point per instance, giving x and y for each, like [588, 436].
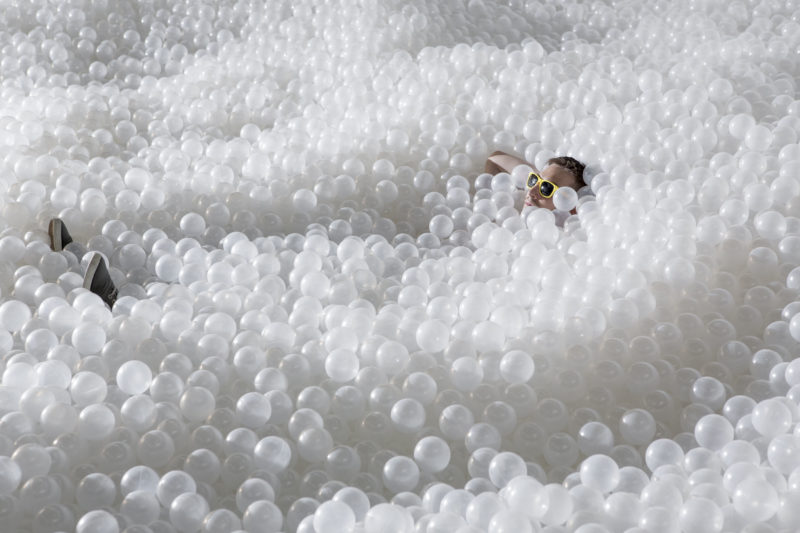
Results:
[557, 174]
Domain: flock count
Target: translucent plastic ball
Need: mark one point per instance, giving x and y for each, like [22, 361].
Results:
[173, 324]
[392, 357]
[173, 484]
[595, 437]
[739, 451]
[400, 474]
[789, 510]
[58, 418]
[97, 521]
[88, 338]
[315, 285]
[139, 478]
[663, 452]
[637, 427]
[342, 365]
[155, 448]
[559, 504]
[221, 521]
[770, 225]
[168, 268]
[516, 366]
[679, 272]
[442, 226]
[356, 499]
[272, 454]
[482, 435]
[771, 417]
[21, 375]
[713, 432]
[334, 517]
[466, 373]
[708, 391]
[432, 454]
[203, 465]
[755, 499]
[10, 475]
[481, 509]
[793, 279]
[134, 377]
[252, 490]
[87, 388]
[187, 511]
[39, 342]
[314, 444]
[388, 517]
[504, 467]
[565, 199]
[758, 137]
[37, 492]
[408, 415]
[193, 225]
[32, 459]
[455, 421]
[140, 507]
[197, 403]
[13, 315]
[600, 472]
[220, 324]
[433, 336]
[95, 491]
[253, 409]
[52, 517]
[263, 516]
[507, 521]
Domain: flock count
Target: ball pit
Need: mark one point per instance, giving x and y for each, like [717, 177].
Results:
[331, 320]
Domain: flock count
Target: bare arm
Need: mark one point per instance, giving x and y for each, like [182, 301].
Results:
[503, 162]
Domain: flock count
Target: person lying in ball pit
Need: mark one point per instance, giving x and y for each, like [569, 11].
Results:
[563, 171]
[560, 172]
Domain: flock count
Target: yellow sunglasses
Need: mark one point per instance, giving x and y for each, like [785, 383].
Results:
[546, 188]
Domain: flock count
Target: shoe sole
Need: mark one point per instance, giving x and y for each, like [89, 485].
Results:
[54, 229]
[90, 271]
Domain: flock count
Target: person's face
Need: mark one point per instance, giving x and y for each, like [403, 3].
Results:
[558, 175]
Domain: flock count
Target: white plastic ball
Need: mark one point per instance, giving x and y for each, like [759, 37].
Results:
[755, 499]
[97, 521]
[504, 467]
[134, 377]
[432, 454]
[516, 366]
[433, 336]
[600, 472]
[334, 517]
[771, 417]
[565, 199]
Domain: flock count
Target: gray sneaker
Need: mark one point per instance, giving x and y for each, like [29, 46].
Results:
[98, 280]
[59, 236]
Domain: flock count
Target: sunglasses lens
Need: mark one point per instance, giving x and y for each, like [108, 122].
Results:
[532, 179]
[546, 188]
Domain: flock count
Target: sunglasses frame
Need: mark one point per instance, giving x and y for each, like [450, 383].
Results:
[539, 181]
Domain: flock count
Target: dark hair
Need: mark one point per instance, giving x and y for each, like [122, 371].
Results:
[571, 164]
